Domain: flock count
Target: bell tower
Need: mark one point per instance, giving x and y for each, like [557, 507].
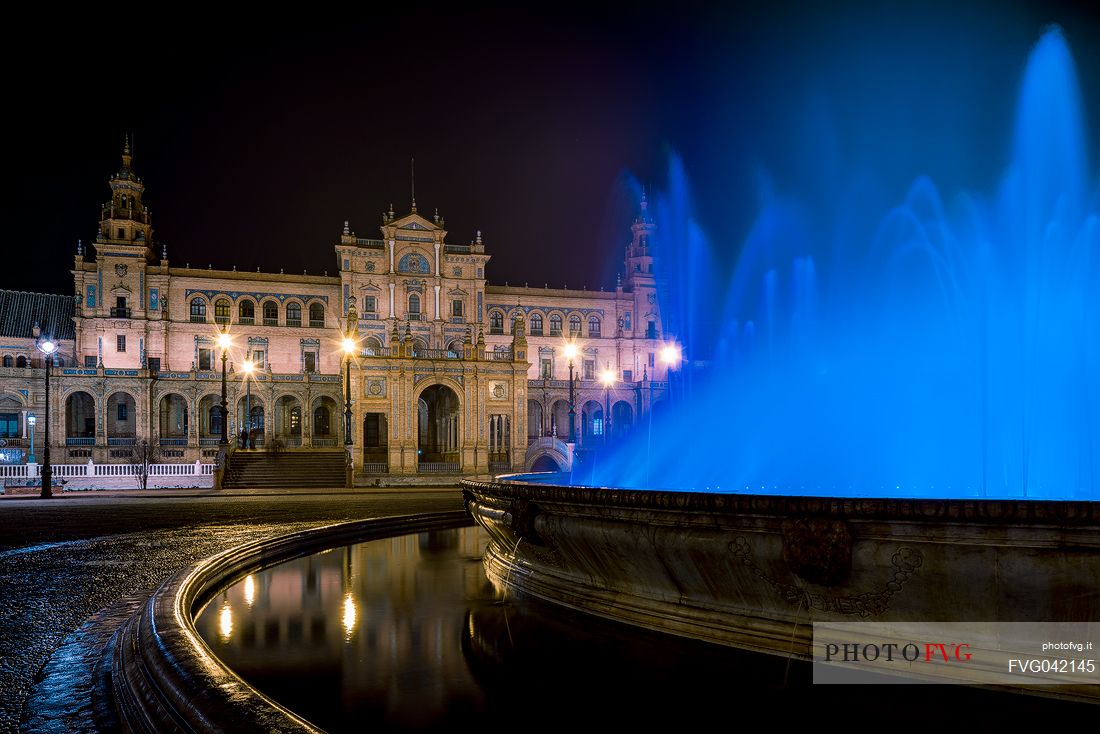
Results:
[125, 220]
[640, 278]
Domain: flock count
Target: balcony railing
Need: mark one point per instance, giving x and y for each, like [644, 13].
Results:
[414, 316]
[172, 441]
[373, 244]
[376, 467]
[221, 319]
[436, 354]
[271, 322]
[198, 318]
[437, 467]
[246, 320]
[120, 313]
[322, 443]
[85, 441]
[291, 322]
[316, 323]
[209, 440]
[121, 441]
[499, 356]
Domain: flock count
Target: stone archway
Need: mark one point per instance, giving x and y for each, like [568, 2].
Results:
[437, 426]
[327, 426]
[80, 419]
[250, 416]
[288, 420]
[121, 420]
[622, 418]
[174, 420]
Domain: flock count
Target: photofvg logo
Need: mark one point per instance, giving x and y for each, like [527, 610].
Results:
[910, 652]
[1014, 654]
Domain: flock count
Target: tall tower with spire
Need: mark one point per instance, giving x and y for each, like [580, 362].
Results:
[640, 278]
[125, 220]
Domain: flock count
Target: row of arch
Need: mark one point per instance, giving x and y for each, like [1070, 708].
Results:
[247, 307]
[174, 417]
[589, 420]
[549, 325]
[21, 361]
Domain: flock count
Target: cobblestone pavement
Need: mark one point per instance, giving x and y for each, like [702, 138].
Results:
[73, 568]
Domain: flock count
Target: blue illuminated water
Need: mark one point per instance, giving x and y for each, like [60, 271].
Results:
[954, 353]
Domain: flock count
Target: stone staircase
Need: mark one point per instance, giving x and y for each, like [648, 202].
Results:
[286, 469]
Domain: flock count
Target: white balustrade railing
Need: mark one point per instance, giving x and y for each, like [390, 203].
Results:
[91, 469]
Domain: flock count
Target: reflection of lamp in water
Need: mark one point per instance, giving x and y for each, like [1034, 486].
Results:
[225, 621]
[249, 590]
[349, 616]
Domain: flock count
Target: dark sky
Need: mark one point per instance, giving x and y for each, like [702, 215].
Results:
[257, 136]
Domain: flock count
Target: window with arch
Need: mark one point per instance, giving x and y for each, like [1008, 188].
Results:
[21, 361]
[293, 314]
[221, 311]
[246, 312]
[536, 324]
[8, 362]
[555, 325]
[198, 310]
[593, 326]
[317, 315]
[496, 322]
[271, 313]
[574, 325]
[414, 307]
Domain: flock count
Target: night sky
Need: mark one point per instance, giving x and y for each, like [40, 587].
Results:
[258, 136]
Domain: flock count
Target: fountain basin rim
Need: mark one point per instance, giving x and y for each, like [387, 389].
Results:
[534, 487]
[162, 676]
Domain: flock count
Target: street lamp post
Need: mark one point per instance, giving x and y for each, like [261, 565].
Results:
[571, 352]
[607, 378]
[223, 342]
[349, 348]
[48, 347]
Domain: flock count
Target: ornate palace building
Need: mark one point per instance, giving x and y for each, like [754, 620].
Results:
[445, 374]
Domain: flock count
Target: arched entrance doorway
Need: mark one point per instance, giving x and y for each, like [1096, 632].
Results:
[80, 419]
[288, 420]
[173, 420]
[210, 420]
[250, 415]
[324, 422]
[591, 422]
[121, 420]
[622, 418]
[437, 438]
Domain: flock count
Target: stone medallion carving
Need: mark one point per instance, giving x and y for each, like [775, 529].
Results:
[120, 270]
[376, 388]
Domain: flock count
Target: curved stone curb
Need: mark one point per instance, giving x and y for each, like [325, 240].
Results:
[164, 678]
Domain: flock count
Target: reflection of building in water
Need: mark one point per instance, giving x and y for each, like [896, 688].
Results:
[352, 622]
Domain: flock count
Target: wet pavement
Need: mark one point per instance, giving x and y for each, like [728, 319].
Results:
[74, 567]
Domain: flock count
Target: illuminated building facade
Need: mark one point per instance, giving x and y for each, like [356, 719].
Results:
[449, 374]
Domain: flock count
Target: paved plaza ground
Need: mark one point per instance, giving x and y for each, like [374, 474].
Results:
[74, 567]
